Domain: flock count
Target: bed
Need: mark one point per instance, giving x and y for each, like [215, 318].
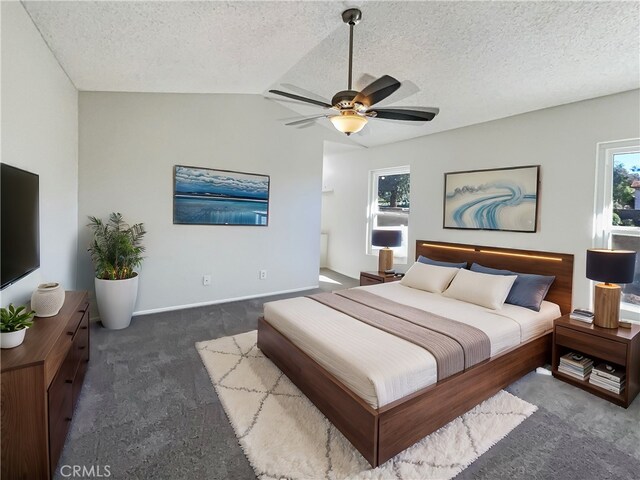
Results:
[383, 419]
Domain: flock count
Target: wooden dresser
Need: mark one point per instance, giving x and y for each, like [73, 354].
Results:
[41, 382]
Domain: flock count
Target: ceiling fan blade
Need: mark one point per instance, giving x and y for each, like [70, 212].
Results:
[306, 119]
[364, 80]
[377, 91]
[301, 99]
[416, 114]
[305, 93]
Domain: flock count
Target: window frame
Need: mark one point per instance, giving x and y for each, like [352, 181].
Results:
[372, 210]
[603, 207]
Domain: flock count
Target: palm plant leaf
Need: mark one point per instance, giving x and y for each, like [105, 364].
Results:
[116, 248]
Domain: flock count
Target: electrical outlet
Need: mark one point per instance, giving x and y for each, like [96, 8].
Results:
[206, 280]
[262, 274]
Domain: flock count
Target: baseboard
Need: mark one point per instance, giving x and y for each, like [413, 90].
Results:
[342, 273]
[224, 300]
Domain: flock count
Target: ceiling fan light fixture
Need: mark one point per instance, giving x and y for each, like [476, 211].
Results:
[348, 122]
[355, 108]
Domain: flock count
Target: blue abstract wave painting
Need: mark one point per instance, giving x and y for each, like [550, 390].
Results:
[204, 196]
[500, 199]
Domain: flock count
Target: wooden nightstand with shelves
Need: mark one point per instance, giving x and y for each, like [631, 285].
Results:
[618, 346]
[372, 278]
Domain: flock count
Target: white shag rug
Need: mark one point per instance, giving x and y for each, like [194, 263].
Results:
[285, 436]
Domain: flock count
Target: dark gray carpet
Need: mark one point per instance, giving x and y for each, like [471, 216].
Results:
[148, 410]
[547, 447]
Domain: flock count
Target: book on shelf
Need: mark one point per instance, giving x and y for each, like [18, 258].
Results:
[582, 315]
[578, 371]
[573, 374]
[598, 382]
[605, 381]
[577, 368]
[575, 365]
[583, 311]
[576, 359]
[580, 368]
[610, 372]
[580, 318]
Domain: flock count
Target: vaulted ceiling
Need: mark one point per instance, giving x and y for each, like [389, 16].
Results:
[476, 61]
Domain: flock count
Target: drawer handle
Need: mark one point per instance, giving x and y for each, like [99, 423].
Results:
[83, 328]
[68, 381]
[82, 348]
[68, 419]
[70, 334]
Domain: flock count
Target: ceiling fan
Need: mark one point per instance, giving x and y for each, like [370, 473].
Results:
[352, 109]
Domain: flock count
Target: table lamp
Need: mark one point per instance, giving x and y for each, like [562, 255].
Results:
[610, 267]
[386, 239]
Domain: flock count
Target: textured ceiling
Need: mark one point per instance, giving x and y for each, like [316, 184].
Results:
[477, 61]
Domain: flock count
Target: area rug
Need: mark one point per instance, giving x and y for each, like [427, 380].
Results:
[284, 436]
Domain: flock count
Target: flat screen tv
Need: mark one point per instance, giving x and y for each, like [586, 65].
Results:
[20, 223]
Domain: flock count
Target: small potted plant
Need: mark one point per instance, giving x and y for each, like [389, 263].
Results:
[13, 325]
[116, 251]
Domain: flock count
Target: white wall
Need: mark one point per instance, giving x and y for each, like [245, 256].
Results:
[129, 144]
[40, 134]
[561, 139]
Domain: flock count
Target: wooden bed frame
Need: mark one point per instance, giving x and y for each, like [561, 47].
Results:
[381, 434]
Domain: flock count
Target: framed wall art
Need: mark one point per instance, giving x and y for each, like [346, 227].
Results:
[204, 196]
[503, 199]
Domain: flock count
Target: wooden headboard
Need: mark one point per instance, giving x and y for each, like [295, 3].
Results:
[524, 261]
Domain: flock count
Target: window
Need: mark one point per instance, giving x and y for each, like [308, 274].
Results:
[389, 207]
[618, 209]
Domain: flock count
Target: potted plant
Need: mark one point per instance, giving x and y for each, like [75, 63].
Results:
[116, 251]
[13, 325]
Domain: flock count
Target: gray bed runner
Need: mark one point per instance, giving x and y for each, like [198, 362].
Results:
[455, 345]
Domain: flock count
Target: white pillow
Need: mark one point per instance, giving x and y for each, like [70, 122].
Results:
[481, 288]
[431, 278]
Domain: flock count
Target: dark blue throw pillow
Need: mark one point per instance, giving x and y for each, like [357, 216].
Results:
[438, 263]
[528, 290]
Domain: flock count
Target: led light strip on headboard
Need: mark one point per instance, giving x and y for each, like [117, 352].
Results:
[466, 249]
[538, 257]
[507, 254]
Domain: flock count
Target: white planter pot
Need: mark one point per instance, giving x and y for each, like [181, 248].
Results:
[48, 299]
[116, 301]
[12, 339]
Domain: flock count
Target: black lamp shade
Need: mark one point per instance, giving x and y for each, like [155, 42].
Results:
[386, 238]
[611, 266]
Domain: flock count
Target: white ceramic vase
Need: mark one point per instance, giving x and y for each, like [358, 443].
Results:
[47, 299]
[116, 301]
[12, 339]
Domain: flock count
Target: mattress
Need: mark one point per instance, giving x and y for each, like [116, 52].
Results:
[379, 367]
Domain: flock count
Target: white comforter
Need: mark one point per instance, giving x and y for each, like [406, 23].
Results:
[379, 367]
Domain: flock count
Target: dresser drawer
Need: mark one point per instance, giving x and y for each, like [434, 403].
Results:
[64, 377]
[76, 319]
[78, 381]
[609, 350]
[81, 340]
[60, 399]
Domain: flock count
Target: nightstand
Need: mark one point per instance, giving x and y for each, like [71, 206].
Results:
[618, 346]
[371, 278]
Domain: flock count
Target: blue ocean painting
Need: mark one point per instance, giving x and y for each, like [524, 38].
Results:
[504, 199]
[205, 196]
